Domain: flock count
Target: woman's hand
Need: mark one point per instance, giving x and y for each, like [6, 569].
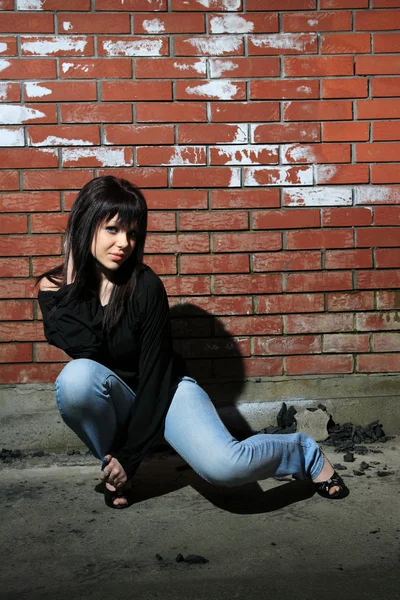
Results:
[113, 472]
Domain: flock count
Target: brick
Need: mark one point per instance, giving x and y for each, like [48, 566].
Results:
[376, 321]
[226, 305]
[334, 4]
[72, 23]
[385, 173]
[349, 301]
[290, 303]
[285, 132]
[258, 325]
[249, 367]
[176, 243]
[387, 215]
[161, 221]
[198, 5]
[14, 267]
[15, 353]
[142, 177]
[254, 176]
[28, 68]
[176, 199]
[166, 156]
[132, 5]
[169, 23]
[56, 91]
[246, 112]
[30, 373]
[210, 221]
[261, 22]
[132, 46]
[345, 43]
[16, 310]
[297, 344]
[370, 280]
[387, 258]
[209, 45]
[203, 348]
[386, 342]
[378, 109]
[322, 323]
[385, 86]
[344, 88]
[42, 264]
[14, 224]
[26, 23]
[345, 132]
[382, 152]
[211, 133]
[49, 223]
[17, 288]
[317, 21]
[96, 68]
[317, 196]
[285, 89]
[341, 174]
[283, 43]
[210, 90]
[377, 65]
[45, 354]
[324, 238]
[58, 45]
[32, 113]
[54, 5]
[318, 110]
[247, 242]
[346, 217]
[96, 113]
[385, 3]
[180, 286]
[282, 4]
[315, 365]
[28, 158]
[318, 66]
[345, 342]
[171, 112]
[386, 42]
[136, 90]
[21, 332]
[223, 263]
[244, 155]
[170, 68]
[8, 45]
[29, 201]
[263, 198]
[287, 261]
[318, 282]
[205, 177]
[97, 157]
[244, 67]
[66, 135]
[24, 245]
[320, 153]
[56, 180]
[285, 219]
[190, 328]
[387, 300]
[372, 20]
[348, 259]
[247, 284]
[378, 236]
[10, 91]
[381, 363]
[12, 137]
[9, 180]
[385, 194]
[138, 134]
[162, 265]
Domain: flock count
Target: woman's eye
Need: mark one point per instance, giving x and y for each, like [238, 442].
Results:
[132, 235]
[111, 229]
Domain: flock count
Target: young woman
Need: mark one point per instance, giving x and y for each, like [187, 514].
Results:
[109, 312]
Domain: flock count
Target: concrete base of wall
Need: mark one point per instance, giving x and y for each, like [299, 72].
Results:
[29, 419]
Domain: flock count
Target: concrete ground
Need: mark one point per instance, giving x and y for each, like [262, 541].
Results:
[275, 539]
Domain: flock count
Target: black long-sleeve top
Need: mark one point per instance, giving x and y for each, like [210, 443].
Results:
[139, 350]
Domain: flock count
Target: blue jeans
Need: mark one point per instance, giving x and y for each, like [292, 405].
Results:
[94, 402]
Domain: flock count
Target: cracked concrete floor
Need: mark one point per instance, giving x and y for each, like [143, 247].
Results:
[274, 539]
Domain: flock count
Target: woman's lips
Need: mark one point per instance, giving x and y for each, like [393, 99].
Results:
[117, 256]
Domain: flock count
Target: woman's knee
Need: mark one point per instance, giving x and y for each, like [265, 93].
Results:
[75, 384]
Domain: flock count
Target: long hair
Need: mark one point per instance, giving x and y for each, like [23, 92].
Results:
[98, 201]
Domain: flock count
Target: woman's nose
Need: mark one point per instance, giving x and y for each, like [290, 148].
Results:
[122, 240]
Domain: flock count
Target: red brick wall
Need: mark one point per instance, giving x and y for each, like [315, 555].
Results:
[267, 145]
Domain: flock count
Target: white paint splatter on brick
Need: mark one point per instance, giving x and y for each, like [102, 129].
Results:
[318, 196]
[61, 43]
[235, 178]
[199, 66]
[36, 90]
[67, 26]
[375, 194]
[226, 4]
[3, 47]
[143, 47]
[218, 45]
[11, 137]
[65, 67]
[297, 153]
[187, 155]
[312, 22]
[241, 134]
[107, 157]
[4, 89]
[278, 176]
[218, 67]
[244, 155]
[325, 173]
[4, 64]
[153, 26]
[53, 140]
[222, 90]
[230, 24]
[304, 89]
[30, 4]
[11, 114]
[281, 41]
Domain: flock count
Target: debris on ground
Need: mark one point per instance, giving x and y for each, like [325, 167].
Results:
[8, 456]
[384, 473]
[192, 559]
[339, 467]
[349, 457]
[346, 436]
[286, 422]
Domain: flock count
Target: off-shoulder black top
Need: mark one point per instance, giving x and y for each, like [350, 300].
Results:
[139, 350]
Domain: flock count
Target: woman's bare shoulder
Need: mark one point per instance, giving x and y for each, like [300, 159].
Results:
[45, 285]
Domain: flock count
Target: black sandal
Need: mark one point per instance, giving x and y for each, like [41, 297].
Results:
[110, 497]
[323, 487]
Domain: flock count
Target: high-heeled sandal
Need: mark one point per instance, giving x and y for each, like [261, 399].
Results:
[111, 496]
[323, 487]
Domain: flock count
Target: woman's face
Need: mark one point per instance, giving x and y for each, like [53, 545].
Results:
[113, 244]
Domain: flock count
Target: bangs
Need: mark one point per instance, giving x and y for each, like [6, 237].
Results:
[129, 212]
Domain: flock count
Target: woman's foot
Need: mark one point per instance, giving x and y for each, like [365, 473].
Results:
[116, 498]
[328, 483]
